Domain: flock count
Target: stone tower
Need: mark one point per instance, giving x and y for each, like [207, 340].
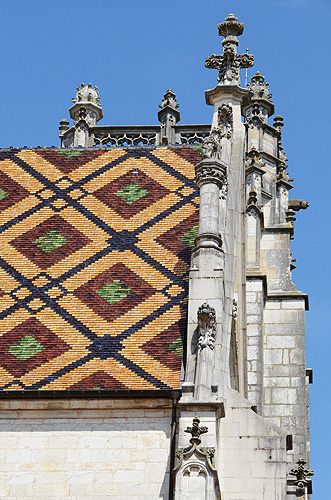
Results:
[246, 320]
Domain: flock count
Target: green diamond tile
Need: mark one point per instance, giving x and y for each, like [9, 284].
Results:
[114, 291]
[50, 241]
[25, 348]
[176, 347]
[189, 237]
[71, 153]
[131, 193]
[3, 194]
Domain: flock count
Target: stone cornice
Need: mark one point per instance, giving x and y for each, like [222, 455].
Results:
[228, 90]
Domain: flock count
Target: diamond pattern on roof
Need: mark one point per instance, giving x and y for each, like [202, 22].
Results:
[94, 256]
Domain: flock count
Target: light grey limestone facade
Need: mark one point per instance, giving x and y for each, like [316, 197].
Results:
[254, 396]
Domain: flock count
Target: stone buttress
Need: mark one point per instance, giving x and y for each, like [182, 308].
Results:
[245, 374]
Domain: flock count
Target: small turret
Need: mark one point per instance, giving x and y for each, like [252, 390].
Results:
[260, 106]
[86, 105]
[168, 116]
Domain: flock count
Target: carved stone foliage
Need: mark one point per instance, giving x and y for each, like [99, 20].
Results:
[225, 120]
[207, 326]
[85, 93]
[229, 63]
[195, 475]
[302, 477]
[209, 173]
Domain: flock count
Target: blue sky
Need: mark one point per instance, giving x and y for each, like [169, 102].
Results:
[134, 51]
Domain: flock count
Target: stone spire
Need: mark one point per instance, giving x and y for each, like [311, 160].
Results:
[230, 63]
[168, 116]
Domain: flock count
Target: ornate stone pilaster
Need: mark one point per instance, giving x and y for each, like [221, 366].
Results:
[254, 170]
[283, 186]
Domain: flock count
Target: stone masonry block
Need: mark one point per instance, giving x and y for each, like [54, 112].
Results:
[281, 316]
[284, 395]
[281, 341]
[273, 356]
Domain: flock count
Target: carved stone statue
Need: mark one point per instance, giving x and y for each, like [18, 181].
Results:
[211, 147]
[225, 120]
[207, 326]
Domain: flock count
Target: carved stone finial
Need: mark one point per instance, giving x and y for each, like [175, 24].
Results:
[207, 326]
[64, 125]
[196, 431]
[230, 29]
[252, 199]
[259, 87]
[302, 476]
[85, 93]
[230, 63]
[278, 123]
[169, 99]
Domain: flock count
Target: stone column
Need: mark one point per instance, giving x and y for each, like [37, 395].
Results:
[210, 175]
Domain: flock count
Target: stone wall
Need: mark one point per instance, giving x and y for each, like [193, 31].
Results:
[84, 450]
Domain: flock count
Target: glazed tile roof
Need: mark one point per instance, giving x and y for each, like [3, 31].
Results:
[94, 253]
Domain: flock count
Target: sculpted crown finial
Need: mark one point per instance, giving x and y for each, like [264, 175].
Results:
[85, 93]
[229, 63]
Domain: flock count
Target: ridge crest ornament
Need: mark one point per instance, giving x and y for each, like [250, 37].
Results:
[230, 63]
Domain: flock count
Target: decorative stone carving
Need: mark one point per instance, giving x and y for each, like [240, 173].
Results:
[195, 475]
[85, 93]
[169, 99]
[210, 174]
[302, 476]
[230, 63]
[254, 162]
[297, 205]
[211, 147]
[196, 431]
[225, 120]
[278, 123]
[259, 87]
[207, 326]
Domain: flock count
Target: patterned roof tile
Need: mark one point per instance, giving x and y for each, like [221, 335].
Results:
[94, 255]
